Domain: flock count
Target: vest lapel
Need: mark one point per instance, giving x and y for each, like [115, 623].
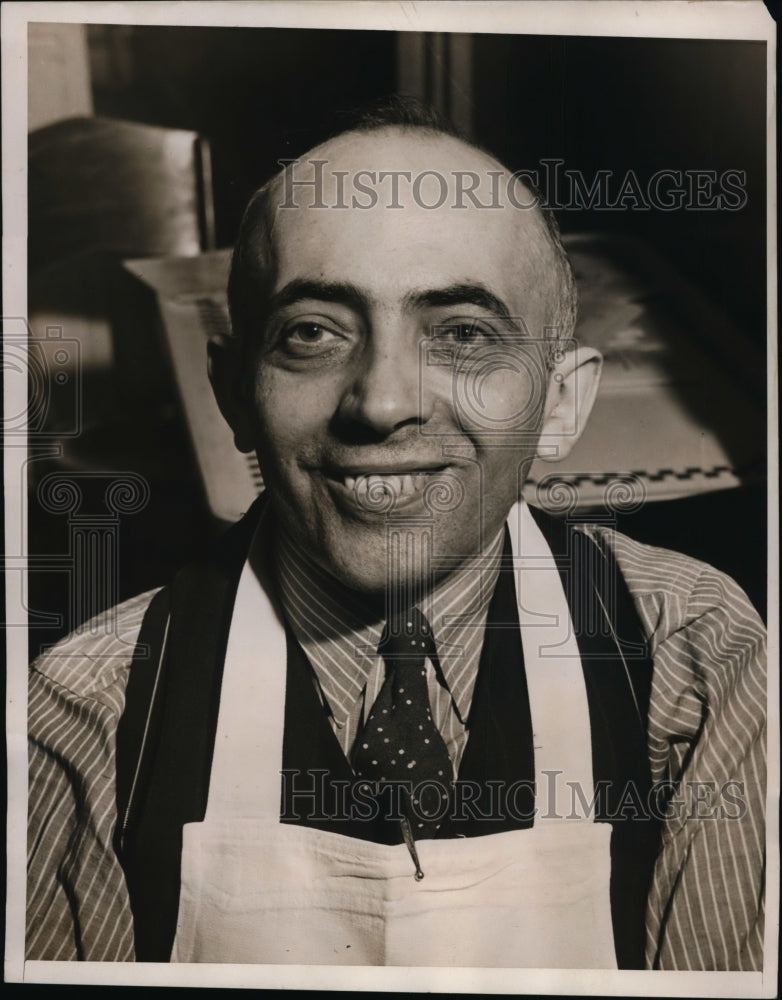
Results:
[499, 746]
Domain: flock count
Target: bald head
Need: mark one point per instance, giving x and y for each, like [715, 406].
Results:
[391, 189]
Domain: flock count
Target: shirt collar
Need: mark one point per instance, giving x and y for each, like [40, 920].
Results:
[340, 630]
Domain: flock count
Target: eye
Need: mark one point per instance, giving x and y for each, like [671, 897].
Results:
[308, 337]
[464, 331]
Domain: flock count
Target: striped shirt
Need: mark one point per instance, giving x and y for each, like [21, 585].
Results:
[706, 735]
[340, 634]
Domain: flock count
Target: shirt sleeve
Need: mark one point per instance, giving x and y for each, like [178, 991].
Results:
[707, 750]
[77, 901]
[708, 737]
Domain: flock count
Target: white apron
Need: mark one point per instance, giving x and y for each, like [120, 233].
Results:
[254, 890]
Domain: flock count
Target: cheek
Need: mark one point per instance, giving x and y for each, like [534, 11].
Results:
[288, 415]
[503, 393]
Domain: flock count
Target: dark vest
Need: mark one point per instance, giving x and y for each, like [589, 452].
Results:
[166, 735]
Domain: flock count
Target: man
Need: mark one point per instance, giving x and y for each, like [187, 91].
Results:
[380, 725]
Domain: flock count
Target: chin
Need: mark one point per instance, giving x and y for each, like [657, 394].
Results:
[372, 562]
[367, 576]
[401, 556]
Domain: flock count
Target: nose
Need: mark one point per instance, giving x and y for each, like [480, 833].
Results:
[388, 389]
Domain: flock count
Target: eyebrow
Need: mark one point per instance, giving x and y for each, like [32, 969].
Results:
[344, 293]
[322, 291]
[463, 294]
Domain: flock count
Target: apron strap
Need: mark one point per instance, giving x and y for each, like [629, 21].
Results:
[165, 775]
[250, 724]
[555, 679]
[617, 668]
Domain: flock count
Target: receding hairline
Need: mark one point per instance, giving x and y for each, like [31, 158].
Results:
[418, 133]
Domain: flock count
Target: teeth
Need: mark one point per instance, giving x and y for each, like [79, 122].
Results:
[390, 485]
[395, 486]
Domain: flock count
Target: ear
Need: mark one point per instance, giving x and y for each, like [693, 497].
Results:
[225, 374]
[572, 388]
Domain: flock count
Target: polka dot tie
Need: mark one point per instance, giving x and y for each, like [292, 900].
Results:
[400, 742]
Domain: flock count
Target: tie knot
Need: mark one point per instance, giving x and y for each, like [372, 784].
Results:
[407, 637]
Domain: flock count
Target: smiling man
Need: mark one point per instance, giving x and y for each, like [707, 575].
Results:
[382, 725]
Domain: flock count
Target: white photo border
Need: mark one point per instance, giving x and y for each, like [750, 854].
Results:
[705, 20]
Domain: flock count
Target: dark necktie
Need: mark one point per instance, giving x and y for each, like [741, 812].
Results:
[400, 742]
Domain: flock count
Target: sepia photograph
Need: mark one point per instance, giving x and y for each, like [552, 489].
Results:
[391, 496]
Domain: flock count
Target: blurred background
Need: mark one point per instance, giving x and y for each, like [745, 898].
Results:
[145, 144]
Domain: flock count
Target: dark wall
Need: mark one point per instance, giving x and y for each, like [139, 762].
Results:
[644, 105]
[257, 94]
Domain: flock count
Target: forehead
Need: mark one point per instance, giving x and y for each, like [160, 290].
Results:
[393, 210]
